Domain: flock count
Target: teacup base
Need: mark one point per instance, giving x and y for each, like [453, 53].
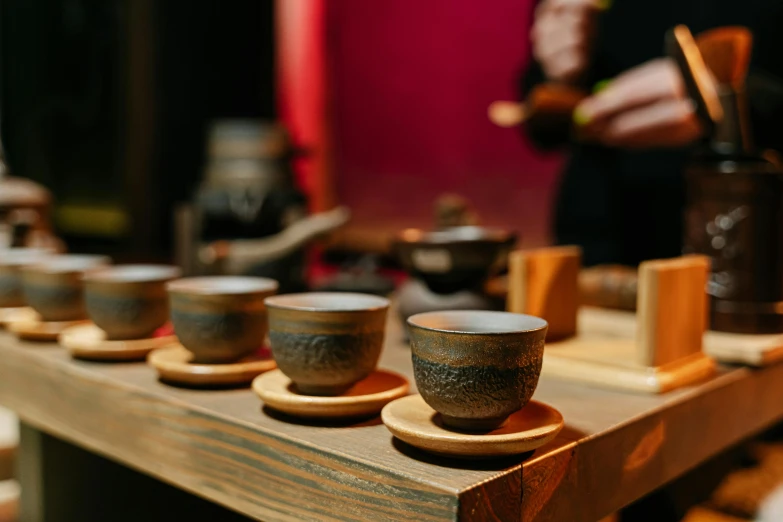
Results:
[413, 421]
[462, 424]
[87, 341]
[366, 397]
[175, 365]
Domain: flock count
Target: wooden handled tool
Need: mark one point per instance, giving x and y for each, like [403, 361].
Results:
[726, 52]
[549, 105]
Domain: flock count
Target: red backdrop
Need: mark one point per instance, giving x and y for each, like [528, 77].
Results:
[407, 88]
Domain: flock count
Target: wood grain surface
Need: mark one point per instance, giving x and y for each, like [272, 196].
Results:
[223, 446]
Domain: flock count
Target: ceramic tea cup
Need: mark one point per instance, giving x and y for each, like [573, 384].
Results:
[54, 287]
[12, 261]
[455, 258]
[476, 368]
[129, 301]
[220, 319]
[326, 341]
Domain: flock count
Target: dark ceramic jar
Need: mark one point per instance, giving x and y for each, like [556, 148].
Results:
[735, 216]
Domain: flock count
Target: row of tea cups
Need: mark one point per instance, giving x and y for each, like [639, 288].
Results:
[474, 368]
[325, 342]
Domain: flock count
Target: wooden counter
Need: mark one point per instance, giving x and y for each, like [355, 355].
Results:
[222, 446]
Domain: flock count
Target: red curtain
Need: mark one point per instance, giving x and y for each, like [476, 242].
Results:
[408, 86]
[302, 92]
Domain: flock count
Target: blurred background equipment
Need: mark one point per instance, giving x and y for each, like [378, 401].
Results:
[112, 101]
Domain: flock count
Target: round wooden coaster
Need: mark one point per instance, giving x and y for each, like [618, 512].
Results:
[411, 420]
[9, 500]
[366, 397]
[10, 315]
[174, 366]
[87, 341]
[33, 329]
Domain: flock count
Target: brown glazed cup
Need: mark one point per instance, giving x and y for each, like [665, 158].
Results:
[220, 319]
[326, 341]
[12, 261]
[129, 301]
[476, 368]
[54, 287]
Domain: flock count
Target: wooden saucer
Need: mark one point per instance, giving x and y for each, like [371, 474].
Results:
[33, 329]
[87, 341]
[12, 315]
[366, 397]
[173, 365]
[411, 420]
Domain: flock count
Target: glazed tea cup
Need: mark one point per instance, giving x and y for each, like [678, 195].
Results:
[220, 319]
[129, 301]
[476, 368]
[326, 341]
[54, 287]
[12, 261]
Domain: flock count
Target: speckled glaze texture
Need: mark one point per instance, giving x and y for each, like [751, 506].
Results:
[476, 380]
[324, 352]
[56, 302]
[126, 317]
[217, 326]
[220, 337]
[54, 287]
[129, 301]
[11, 263]
[326, 361]
[11, 293]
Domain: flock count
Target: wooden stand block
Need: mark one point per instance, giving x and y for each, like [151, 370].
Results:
[658, 352]
[750, 349]
[545, 283]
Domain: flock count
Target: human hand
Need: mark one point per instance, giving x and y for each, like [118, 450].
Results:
[645, 107]
[561, 36]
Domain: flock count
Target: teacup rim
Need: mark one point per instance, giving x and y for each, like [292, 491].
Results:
[107, 274]
[25, 256]
[279, 302]
[541, 323]
[69, 264]
[189, 285]
[447, 236]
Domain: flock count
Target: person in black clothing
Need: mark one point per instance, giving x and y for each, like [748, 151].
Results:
[622, 193]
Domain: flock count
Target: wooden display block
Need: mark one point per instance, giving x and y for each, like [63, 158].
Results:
[753, 350]
[660, 351]
[542, 282]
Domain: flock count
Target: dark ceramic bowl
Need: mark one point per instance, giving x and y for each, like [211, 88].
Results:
[54, 287]
[476, 368]
[326, 341]
[12, 261]
[220, 319]
[129, 302]
[453, 259]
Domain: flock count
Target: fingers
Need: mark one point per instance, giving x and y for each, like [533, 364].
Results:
[640, 86]
[665, 123]
[561, 39]
[571, 5]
